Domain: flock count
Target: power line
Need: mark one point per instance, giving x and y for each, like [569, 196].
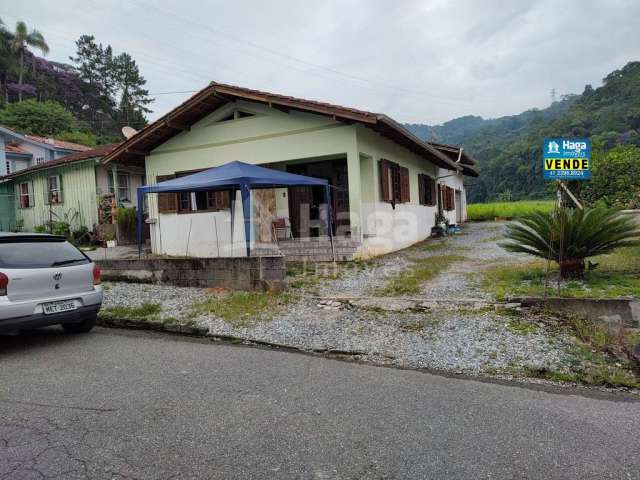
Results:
[229, 36]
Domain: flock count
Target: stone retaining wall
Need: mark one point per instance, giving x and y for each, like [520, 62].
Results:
[242, 273]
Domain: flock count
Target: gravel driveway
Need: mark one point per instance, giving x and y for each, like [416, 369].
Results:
[458, 340]
[478, 243]
[455, 339]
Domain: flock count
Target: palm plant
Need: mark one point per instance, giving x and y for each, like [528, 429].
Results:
[21, 41]
[568, 236]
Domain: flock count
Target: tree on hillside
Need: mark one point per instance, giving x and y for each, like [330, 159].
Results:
[133, 97]
[114, 86]
[615, 178]
[94, 65]
[37, 118]
[21, 41]
[7, 60]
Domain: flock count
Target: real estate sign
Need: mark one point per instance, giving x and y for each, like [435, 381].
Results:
[566, 159]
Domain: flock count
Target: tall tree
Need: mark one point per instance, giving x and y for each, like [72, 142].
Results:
[21, 41]
[95, 65]
[7, 61]
[134, 98]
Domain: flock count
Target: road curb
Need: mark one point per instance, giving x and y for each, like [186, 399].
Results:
[203, 332]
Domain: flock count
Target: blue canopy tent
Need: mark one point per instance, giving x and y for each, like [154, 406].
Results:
[234, 176]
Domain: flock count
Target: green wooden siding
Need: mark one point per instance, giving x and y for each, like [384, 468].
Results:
[7, 207]
[78, 205]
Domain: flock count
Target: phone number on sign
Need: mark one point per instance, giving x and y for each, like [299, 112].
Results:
[567, 173]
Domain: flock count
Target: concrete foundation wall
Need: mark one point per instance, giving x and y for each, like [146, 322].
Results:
[249, 273]
[624, 311]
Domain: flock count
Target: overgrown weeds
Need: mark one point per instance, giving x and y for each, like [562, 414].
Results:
[410, 281]
[242, 309]
[143, 311]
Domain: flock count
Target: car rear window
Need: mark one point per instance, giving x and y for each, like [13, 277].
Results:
[39, 254]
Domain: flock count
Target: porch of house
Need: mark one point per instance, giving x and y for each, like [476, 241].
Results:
[293, 221]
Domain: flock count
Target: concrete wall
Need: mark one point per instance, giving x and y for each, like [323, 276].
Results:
[617, 311]
[79, 196]
[249, 273]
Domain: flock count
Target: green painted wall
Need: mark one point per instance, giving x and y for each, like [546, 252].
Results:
[78, 205]
[7, 207]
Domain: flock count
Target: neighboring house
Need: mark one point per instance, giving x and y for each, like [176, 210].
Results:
[19, 151]
[387, 185]
[70, 189]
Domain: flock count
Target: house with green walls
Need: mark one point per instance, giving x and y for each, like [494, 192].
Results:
[68, 189]
[388, 187]
[7, 207]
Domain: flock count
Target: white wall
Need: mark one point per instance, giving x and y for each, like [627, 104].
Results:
[204, 234]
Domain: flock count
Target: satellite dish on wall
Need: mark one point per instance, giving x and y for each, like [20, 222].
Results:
[128, 132]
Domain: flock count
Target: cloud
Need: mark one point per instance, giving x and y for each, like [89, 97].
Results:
[413, 60]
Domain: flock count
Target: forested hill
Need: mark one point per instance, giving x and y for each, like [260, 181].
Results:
[508, 149]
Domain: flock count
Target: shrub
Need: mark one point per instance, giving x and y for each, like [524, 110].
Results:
[127, 218]
[569, 236]
[81, 234]
[61, 228]
[77, 136]
[37, 118]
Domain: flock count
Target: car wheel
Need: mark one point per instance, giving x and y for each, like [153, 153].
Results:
[81, 327]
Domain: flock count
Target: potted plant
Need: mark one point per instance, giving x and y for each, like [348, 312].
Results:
[110, 239]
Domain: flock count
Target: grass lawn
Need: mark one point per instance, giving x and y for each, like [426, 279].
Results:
[617, 275]
[488, 211]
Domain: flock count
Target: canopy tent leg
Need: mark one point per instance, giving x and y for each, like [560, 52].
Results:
[140, 218]
[246, 211]
[233, 218]
[327, 196]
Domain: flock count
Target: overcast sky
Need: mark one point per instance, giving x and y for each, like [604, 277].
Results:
[417, 61]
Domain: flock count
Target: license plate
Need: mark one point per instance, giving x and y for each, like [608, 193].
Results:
[58, 307]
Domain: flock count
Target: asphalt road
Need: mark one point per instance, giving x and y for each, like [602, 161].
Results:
[120, 404]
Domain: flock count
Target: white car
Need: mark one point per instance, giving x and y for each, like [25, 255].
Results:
[45, 280]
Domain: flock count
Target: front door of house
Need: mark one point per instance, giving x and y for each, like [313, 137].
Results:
[306, 203]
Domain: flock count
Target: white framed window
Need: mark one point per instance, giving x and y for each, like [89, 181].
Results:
[8, 167]
[39, 160]
[25, 193]
[54, 190]
[123, 186]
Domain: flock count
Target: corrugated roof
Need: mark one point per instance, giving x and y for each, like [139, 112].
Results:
[215, 95]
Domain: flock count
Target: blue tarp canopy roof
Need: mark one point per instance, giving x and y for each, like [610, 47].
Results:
[233, 175]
